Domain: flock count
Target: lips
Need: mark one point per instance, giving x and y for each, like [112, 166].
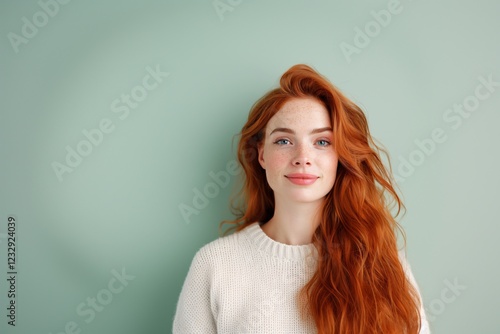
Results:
[301, 179]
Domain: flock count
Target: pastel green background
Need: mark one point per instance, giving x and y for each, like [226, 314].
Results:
[120, 207]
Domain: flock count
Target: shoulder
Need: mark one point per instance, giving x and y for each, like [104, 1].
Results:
[225, 249]
[405, 264]
[424, 329]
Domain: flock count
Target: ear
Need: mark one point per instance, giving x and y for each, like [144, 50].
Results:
[260, 148]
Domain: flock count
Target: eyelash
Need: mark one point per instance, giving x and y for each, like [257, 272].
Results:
[326, 141]
[279, 142]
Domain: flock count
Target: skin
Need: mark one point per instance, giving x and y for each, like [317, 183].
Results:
[298, 139]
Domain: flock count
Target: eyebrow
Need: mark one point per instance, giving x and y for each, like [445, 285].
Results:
[288, 130]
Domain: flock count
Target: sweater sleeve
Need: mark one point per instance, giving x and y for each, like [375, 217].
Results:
[424, 324]
[193, 313]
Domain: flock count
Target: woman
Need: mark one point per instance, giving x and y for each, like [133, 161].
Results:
[315, 247]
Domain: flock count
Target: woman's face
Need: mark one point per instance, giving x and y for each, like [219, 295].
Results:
[297, 152]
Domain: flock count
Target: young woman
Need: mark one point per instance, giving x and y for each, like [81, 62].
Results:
[315, 248]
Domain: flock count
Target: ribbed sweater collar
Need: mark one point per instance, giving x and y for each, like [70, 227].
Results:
[274, 248]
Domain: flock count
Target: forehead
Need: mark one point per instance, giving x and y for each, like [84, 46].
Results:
[301, 113]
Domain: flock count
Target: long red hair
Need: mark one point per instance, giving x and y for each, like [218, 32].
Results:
[359, 285]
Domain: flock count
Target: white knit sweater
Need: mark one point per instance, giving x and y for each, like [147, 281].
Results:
[248, 283]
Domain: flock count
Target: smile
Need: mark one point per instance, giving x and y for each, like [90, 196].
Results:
[302, 179]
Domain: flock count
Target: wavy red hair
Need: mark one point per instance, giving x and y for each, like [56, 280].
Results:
[360, 285]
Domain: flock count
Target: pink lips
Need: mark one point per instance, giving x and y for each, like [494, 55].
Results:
[301, 179]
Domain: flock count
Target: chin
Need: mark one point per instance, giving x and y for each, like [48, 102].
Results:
[305, 198]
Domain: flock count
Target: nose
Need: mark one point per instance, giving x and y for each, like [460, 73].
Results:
[302, 156]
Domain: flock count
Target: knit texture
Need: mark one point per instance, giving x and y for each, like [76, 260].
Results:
[248, 283]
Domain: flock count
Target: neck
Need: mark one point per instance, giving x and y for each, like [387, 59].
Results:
[293, 224]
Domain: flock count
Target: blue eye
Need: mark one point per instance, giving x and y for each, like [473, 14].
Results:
[282, 142]
[323, 142]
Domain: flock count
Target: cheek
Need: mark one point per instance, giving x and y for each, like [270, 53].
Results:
[275, 161]
[330, 165]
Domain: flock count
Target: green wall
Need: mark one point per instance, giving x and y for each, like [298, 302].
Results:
[114, 114]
